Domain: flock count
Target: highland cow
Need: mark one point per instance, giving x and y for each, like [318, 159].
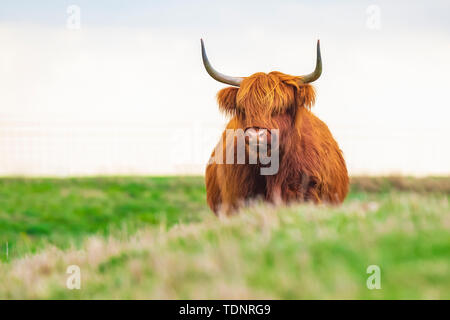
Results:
[272, 113]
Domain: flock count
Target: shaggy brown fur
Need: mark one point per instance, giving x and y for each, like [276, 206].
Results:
[311, 166]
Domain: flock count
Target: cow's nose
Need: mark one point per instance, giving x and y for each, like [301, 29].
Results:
[257, 135]
[252, 133]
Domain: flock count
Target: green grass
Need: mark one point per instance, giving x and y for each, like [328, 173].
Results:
[155, 238]
[34, 212]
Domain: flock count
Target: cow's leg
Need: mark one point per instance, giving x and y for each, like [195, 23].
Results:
[292, 187]
[238, 184]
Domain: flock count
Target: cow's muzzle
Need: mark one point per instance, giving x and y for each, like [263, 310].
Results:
[258, 136]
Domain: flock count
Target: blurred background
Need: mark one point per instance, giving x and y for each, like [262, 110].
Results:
[108, 118]
[116, 87]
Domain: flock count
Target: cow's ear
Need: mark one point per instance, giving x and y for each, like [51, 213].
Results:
[305, 96]
[226, 98]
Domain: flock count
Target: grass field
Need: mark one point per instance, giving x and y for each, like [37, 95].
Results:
[155, 238]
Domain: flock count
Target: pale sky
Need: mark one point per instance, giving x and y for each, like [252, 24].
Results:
[126, 93]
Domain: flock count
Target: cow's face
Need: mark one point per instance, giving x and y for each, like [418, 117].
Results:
[265, 102]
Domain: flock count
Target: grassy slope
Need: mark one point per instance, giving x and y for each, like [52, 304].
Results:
[163, 242]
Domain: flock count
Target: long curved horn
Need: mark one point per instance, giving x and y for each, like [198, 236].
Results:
[234, 81]
[317, 72]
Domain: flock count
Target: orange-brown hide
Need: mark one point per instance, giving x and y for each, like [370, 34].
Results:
[311, 165]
